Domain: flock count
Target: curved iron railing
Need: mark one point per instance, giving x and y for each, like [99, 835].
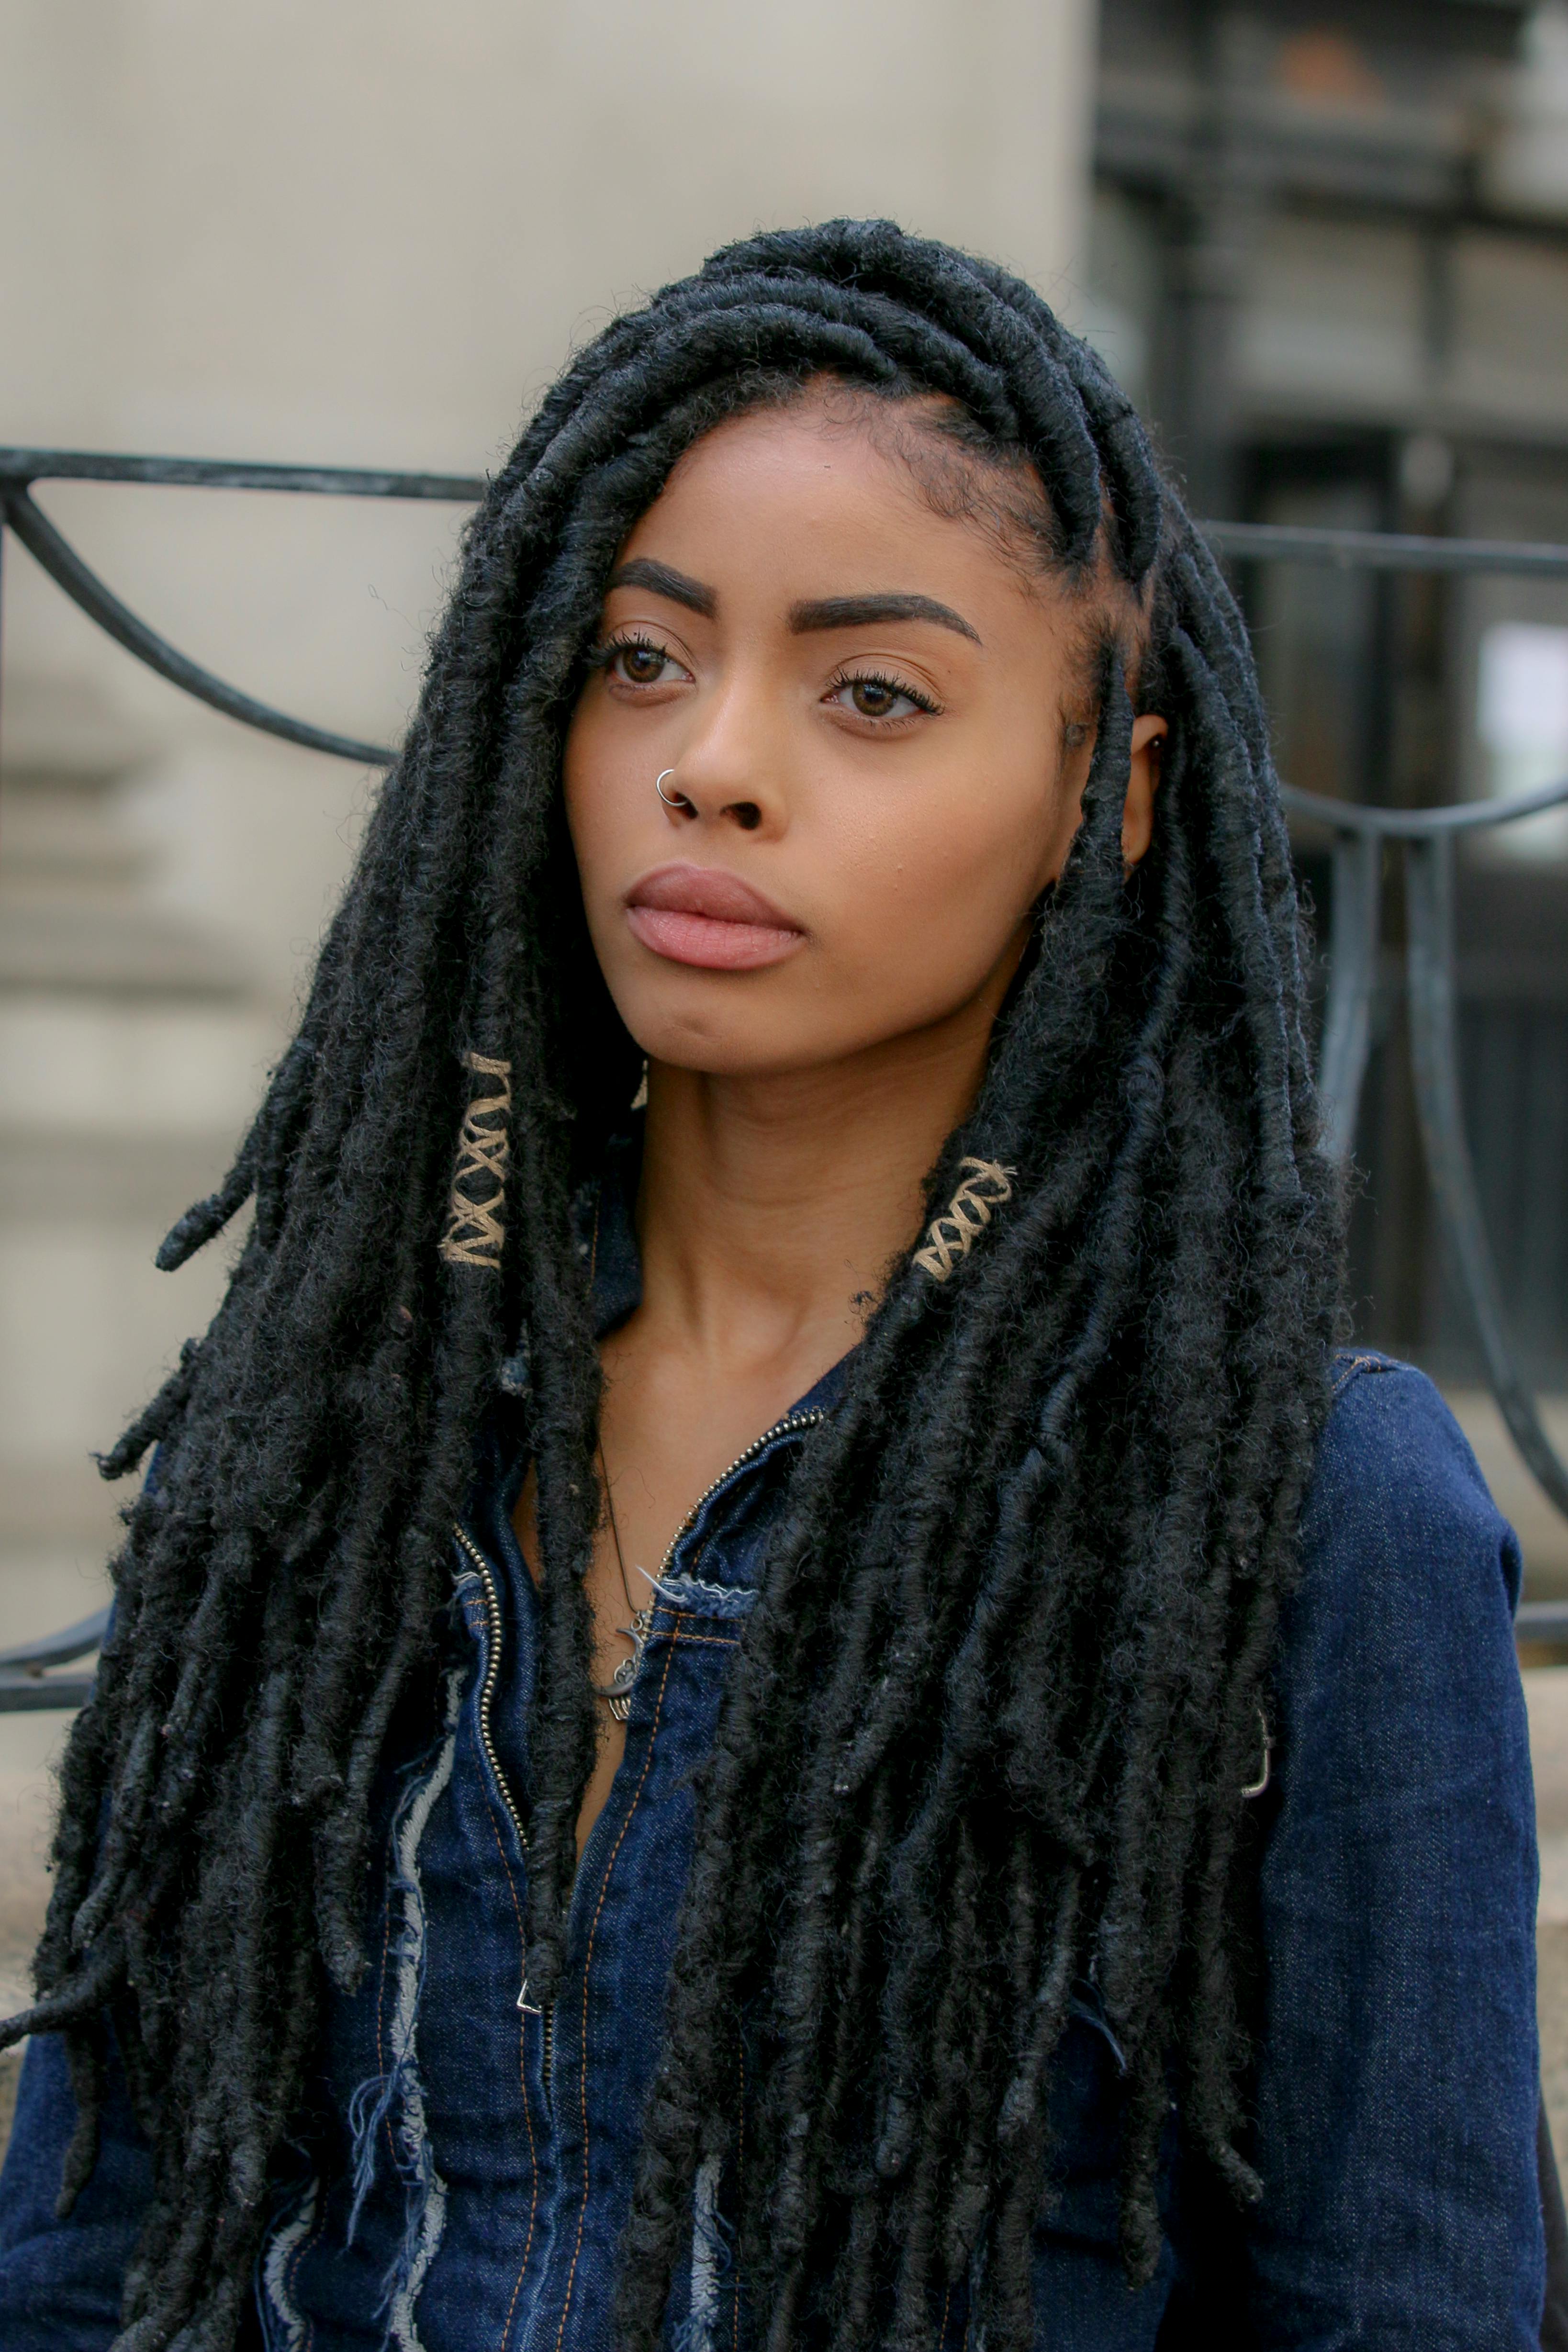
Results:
[1362, 834]
[20, 468]
[25, 1682]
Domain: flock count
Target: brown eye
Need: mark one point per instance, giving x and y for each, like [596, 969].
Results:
[879, 698]
[641, 665]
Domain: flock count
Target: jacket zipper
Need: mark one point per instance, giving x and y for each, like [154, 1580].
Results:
[623, 1683]
[786, 1428]
[487, 1741]
[792, 1423]
[492, 1675]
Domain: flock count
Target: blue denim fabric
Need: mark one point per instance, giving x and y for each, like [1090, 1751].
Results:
[462, 2178]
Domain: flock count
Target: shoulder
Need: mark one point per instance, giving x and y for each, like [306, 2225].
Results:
[1409, 1573]
[1395, 1480]
[1397, 2087]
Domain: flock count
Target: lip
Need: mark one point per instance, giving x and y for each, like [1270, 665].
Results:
[702, 916]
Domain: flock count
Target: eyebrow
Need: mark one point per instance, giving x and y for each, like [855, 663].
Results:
[663, 580]
[859, 612]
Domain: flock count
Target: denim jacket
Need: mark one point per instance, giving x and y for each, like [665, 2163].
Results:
[463, 2176]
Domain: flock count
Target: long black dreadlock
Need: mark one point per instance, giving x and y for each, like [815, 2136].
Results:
[995, 1709]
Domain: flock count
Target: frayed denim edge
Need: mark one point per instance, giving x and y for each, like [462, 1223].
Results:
[275, 2272]
[711, 2260]
[372, 2106]
[697, 1598]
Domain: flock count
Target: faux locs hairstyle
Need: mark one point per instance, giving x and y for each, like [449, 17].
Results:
[994, 1716]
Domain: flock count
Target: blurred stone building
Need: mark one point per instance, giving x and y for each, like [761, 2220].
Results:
[368, 233]
[1327, 252]
[1330, 257]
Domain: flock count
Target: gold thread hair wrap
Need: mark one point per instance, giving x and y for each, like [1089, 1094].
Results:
[475, 1231]
[954, 1234]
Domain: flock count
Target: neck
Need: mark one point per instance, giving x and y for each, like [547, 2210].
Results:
[771, 1207]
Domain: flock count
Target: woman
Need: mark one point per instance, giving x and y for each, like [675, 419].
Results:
[820, 1716]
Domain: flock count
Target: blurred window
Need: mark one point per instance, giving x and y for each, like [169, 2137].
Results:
[1513, 651]
[1335, 312]
[1316, 633]
[1521, 721]
[1118, 310]
[1510, 327]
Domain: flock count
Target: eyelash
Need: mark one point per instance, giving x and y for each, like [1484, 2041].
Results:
[890, 685]
[630, 642]
[634, 641]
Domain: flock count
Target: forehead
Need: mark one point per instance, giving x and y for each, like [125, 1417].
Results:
[816, 491]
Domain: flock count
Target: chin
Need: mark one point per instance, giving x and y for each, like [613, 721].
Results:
[723, 1022]
[739, 1042]
[728, 1057]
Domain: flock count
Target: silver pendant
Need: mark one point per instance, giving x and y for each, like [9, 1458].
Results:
[618, 1692]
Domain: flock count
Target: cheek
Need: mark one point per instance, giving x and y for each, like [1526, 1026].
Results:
[584, 800]
[583, 832]
[599, 793]
[955, 870]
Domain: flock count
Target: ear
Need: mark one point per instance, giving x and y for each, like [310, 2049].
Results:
[1142, 782]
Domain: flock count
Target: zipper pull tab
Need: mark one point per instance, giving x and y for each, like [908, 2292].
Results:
[530, 2008]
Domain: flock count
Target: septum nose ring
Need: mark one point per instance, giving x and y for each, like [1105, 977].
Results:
[672, 801]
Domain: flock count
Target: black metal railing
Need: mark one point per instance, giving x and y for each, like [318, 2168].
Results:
[1363, 835]
[1425, 838]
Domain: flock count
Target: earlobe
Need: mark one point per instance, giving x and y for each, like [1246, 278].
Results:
[1149, 734]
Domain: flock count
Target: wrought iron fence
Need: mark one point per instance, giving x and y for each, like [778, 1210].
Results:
[1363, 834]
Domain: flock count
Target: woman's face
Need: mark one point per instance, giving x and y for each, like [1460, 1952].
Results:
[858, 710]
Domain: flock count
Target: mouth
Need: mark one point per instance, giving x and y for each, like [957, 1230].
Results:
[700, 915]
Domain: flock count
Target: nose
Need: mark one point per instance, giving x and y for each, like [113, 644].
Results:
[700, 801]
[723, 775]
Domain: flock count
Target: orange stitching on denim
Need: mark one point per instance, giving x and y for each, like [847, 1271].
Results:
[1348, 1372]
[711, 1640]
[587, 1970]
[298, 2256]
[474, 1619]
[740, 2168]
[290, 2283]
[309, 2239]
[942, 2323]
[380, 2019]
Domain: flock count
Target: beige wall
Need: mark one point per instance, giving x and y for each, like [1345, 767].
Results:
[370, 231]
[338, 232]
